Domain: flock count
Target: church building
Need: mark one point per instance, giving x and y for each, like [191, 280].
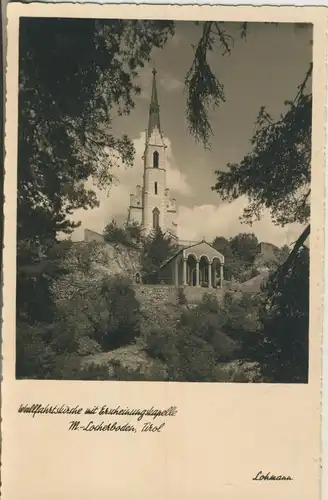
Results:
[196, 263]
[151, 205]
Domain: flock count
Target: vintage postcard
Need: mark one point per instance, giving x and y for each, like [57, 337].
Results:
[163, 252]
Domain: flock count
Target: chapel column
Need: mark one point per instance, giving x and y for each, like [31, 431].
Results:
[209, 275]
[197, 272]
[184, 274]
[176, 273]
[221, 275]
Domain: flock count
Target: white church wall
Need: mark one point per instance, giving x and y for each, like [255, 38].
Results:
[153, 200]
[170, 222]
[135, 215]
[153, 194]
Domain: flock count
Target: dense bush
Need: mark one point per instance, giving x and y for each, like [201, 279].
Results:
[282, 348]
[106, 311]
[35, 356]
[207, 322]
[101, 314]
[192, 352]
[241, 321]
[69, 367]
[88, 312]
[154, 373]
[157, 248]
[119, 320]
[162, 344]
[46, 352]
[129, 235]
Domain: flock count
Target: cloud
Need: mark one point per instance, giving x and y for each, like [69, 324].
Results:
[170, 84]
[115, 203]
[165, 80]
[195, 223]
[209, 221]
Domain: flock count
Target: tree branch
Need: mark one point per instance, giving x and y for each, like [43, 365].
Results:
[284, 268]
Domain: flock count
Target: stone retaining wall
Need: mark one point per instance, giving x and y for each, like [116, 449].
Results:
[168, 294]
[159, 294]
[194, 295]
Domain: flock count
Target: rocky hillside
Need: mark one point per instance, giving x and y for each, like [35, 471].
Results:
[117, 260]
[253, 286]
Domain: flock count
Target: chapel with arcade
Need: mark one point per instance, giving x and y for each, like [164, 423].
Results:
[196, 263]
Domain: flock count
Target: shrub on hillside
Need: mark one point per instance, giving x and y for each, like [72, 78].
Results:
[35, 356]
[241, 321]
[87, 346]
[161, 344]
[157, 248]
[193, 350]
[207, 322]
[282, 348]
[69, 367]
[130, 235]
[195, 360]
[103, 309]
[154, 373]
[120, 317]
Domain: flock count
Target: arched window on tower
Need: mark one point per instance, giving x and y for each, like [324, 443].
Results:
[155, 159]
[155, 218]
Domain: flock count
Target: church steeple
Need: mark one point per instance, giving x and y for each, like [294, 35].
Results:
[152, 206]
[154, 120]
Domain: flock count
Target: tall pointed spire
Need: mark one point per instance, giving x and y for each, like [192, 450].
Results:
[154, 120]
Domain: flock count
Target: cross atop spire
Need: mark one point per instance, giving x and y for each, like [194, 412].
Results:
[154, 120]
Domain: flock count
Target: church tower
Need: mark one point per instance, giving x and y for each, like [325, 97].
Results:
[152, 206]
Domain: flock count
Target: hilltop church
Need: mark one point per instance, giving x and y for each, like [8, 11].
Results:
[196, 263]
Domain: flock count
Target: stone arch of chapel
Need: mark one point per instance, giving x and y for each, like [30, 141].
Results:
[204, 257]
[191, 254]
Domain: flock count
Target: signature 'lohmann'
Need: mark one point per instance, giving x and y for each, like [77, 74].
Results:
[270, 477]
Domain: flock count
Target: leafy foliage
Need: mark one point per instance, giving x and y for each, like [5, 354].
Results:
[70, 367]
[35, 357]
[192, 352]
[244, 246]
[223, 246]
[120, 321]
[242, 258]
[155, 248]
[239, 253]
[93, 305]
[72, 87]
[89, 312]
[130, 235]
[203, 88]
[155, 373]
[282, 348]
[158, 247]
[276, 174]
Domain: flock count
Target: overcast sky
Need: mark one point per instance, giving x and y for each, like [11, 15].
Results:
[264, 70]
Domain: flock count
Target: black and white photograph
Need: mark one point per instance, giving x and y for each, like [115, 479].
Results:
[163, 200]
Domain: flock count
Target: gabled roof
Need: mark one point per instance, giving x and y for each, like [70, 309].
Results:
[199, 249]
